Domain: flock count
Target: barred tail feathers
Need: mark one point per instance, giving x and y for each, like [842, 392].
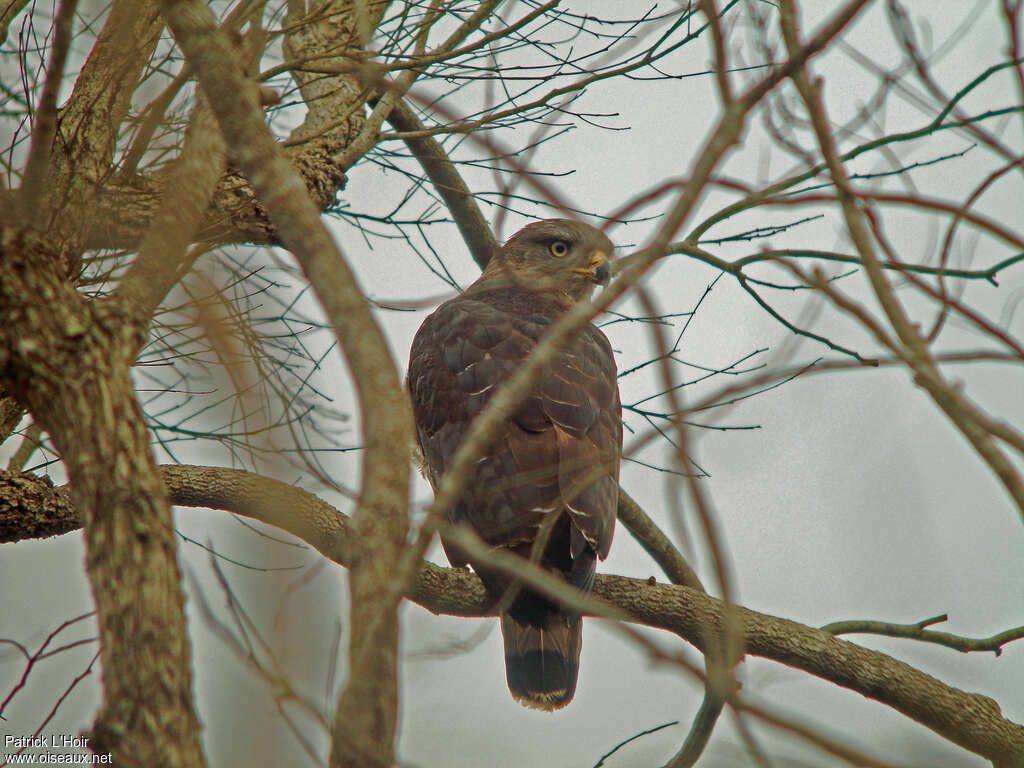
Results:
[542, 661]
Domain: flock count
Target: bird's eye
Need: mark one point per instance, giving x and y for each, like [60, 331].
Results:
[559, 248]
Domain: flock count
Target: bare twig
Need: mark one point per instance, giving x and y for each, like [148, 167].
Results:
[366, 715]
[46, 114]
[164, 256]
[919, 631]
[913, 349]
[632, 738]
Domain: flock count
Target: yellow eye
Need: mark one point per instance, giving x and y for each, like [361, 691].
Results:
[559, 248]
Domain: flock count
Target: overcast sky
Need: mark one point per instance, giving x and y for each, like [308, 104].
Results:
[852, 498]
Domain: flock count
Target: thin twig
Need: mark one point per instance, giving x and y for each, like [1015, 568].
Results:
[656, 543]
[45, 127]
[448, 183]
[920, 631]
[971, 423]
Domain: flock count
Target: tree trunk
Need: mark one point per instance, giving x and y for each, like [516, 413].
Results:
[65, 361]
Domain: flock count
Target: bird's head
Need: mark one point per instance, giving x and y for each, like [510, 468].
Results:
[557, 256]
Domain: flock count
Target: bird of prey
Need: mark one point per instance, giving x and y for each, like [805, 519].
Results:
[552, 471]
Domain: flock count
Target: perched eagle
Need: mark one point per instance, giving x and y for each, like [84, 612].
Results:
[552, 471]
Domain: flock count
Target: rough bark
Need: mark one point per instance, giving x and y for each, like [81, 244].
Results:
[90, 122]
[10, 415]
[63, 360]
[366, 716]
[235, 215]
[971, 720]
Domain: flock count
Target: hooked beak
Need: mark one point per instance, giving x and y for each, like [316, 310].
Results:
[602, 274]
[599, 270]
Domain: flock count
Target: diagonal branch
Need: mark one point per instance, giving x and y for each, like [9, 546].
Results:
[92, 117]
[46, 115]
[971, 720]
[164, 256]
[449, 184]
[912, 347]
[656, 543]
[365, 720]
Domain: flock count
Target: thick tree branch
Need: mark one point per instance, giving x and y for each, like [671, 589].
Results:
[329, 32]
[10, 11]
[971, 720]
[235, 215]
[92, 117]
[365, 719]
[45, 124]
[164, 255]
[10, 414]
[448, 182]
[66, 362]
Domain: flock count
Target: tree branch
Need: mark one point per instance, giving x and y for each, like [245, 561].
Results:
[366, 716]
[45, 124]
[919, 631]
[74, 378]
[164, 256]
[914, 351]
[448, 182]
[92, 117]
[656, 543]
[971, 720]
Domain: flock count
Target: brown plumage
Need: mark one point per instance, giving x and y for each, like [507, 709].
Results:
[554, 465]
